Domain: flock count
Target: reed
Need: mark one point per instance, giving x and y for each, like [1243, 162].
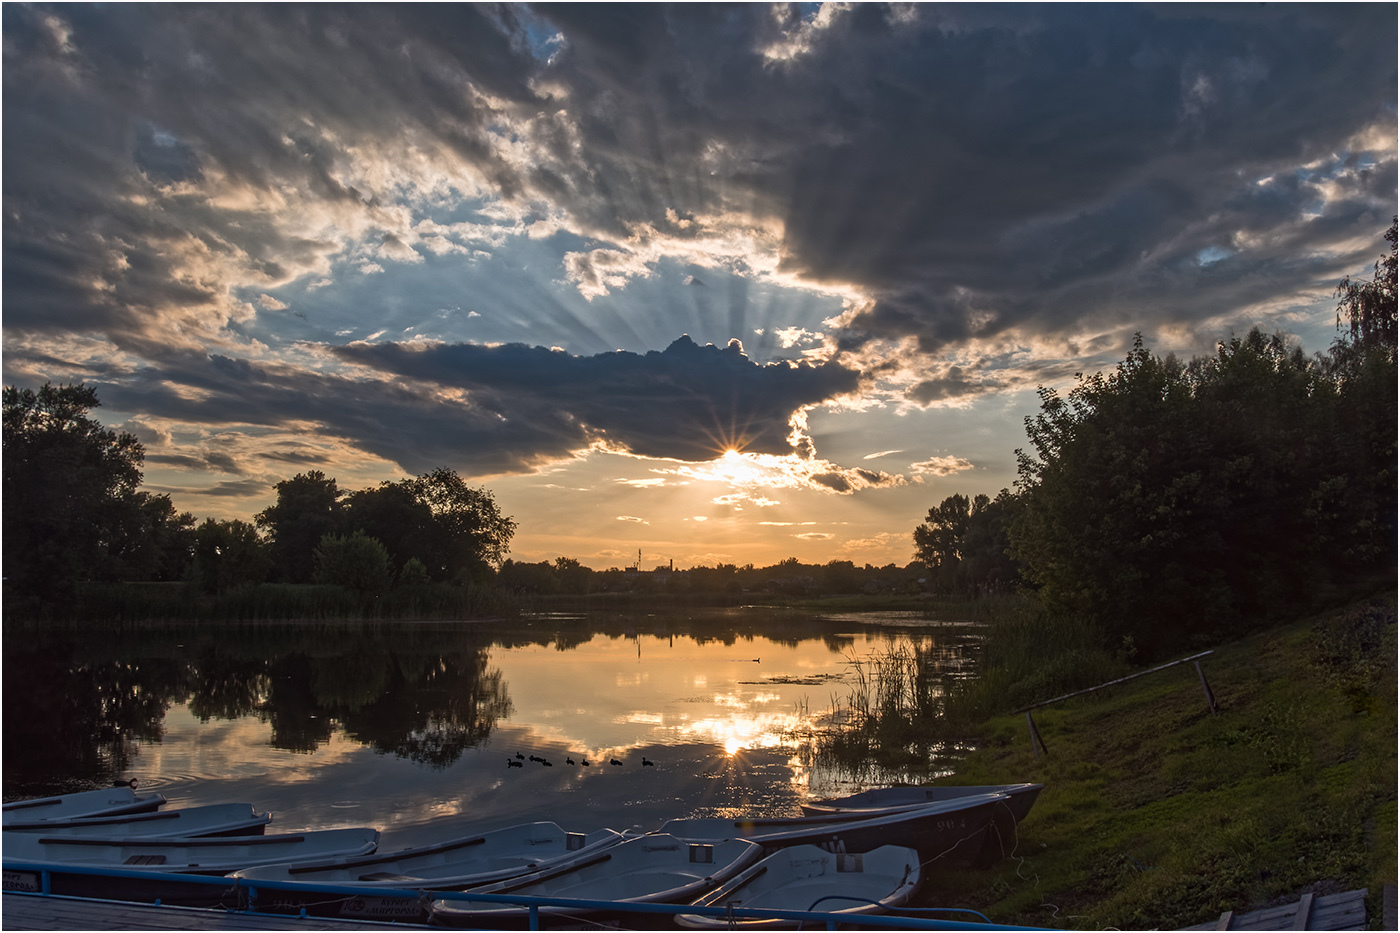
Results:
[914, 706]
[1026, 655]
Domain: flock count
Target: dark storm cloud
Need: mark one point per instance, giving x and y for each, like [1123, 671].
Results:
[977, 168]
[107, 109]
[523, 406]
[417, 429]
[687, 402]
[974, 170]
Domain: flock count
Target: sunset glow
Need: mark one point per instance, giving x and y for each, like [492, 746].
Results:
[803, 265]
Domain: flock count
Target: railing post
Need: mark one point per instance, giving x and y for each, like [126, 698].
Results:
[1037, 743]
[1210, 697]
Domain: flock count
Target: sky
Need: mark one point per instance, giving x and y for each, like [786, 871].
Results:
[682, 284]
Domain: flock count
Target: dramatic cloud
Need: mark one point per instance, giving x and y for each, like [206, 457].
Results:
[685, 403]
[215, 212]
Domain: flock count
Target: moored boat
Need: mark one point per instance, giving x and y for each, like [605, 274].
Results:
[216, 855]
[107, 801]
[1020, 798]
[951, 830]
[224, 819]
[652, 869]
[811, 879]
[1000, 839]
[454, 864]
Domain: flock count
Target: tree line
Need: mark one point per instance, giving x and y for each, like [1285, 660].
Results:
[1170, 502]
[74, 513]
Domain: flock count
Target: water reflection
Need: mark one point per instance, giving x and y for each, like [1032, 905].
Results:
[407, 727]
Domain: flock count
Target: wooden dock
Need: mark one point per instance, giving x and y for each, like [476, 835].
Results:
[1346, 911]
[37, 912]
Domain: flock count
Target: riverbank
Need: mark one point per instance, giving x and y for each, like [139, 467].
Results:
[1158, 814]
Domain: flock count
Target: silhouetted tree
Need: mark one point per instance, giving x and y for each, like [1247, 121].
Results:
[69, 491]
[356, 562]
[396, 515]
[963, 545]
[1368, 309]
[228, 554]
[307, 509]
[477, 536]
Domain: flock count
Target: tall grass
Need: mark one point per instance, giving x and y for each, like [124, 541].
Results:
[916, 705]
[1027, 655]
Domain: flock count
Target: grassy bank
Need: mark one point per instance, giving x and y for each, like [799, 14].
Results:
[1157, 814]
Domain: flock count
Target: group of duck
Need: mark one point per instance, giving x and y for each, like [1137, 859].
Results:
[519, 761]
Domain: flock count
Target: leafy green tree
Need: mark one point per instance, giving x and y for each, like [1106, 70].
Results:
[152, 541]
[356, 562]
[1357, 505]
[520, 577]
[228, 554]
[69, 491]
[939, 541]
[476, 536]
[1174, 503]
[1109, 501]
[963, 544]
[573, 577]
[987, 563]
[396, 515]
[307, 509]
[1369, 308]
[413, 573]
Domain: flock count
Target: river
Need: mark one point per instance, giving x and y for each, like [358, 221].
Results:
[408, 727]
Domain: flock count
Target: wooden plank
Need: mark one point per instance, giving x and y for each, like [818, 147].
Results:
[1345, 911]
[1300, 919]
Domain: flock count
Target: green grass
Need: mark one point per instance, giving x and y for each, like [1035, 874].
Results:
[1157, 814]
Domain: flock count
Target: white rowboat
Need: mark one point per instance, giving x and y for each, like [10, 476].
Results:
[808, 878]
[108, 801]
[650, 869]
[204, 856]
[225, 819]
[454, 863]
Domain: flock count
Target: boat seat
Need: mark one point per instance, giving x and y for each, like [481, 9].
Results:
[387, 876]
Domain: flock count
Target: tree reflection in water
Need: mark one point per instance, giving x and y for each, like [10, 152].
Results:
[77, 704]
[81, 706]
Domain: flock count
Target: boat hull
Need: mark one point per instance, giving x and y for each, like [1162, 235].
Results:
[811, 879]
[1020, 798]
[951, 832]
[1000, 838]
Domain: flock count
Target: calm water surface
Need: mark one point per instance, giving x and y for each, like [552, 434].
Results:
[408, 727]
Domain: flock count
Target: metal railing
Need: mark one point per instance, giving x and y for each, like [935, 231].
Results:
[246, 894]
[1038, 744]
